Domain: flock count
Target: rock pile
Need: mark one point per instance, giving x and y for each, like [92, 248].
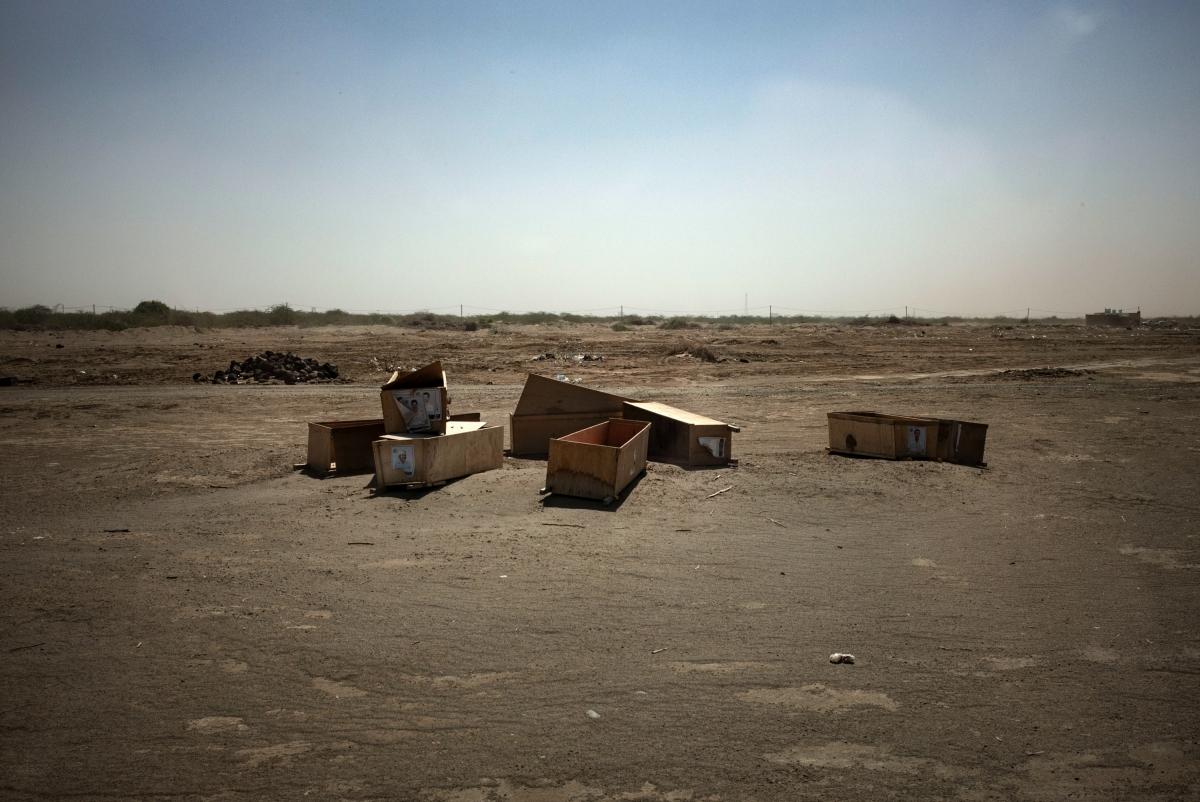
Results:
[272, 367]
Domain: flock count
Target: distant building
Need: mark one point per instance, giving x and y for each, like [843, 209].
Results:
[1115, 317]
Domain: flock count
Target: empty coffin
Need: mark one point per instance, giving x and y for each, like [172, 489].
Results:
[876, 434]
[343, 446]
[598, 462]
[683, 437]
[425, 459]
[550, 408]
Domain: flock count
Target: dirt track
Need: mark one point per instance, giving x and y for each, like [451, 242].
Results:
[1027, 631]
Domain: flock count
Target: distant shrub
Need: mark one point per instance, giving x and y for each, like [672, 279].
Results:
[152, 309]
[281, 315]
[619, 327]
[676, 323]
[637, 320]
[33, 315]
[470, 325]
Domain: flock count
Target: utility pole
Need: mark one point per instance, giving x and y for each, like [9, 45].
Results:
[93, 309]
[1027, 311]
[460, 314]
[621, 316]
[906, 313]
[770, 314]
[746, 305]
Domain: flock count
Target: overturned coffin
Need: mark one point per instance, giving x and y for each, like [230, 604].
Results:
[416, 402]
[342, 446]
[876, 434]
[419, 460]
[599, 461]
[683, 437]
[550, 408]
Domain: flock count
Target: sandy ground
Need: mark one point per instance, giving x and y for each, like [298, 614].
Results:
[183, 616]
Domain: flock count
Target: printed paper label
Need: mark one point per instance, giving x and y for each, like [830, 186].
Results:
[916, 440]
[402, 459]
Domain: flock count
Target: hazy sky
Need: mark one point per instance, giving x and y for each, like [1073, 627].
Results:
[955, 157]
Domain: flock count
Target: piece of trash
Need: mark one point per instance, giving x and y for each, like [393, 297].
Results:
[841, 657]
[30, 646]
[139, 645]
[777, 523]
[719, 492]
[359, 543]
[504, 576]
[592, 714]
[116, 530]
[1035, 753]
[574, 526]
[658, 651]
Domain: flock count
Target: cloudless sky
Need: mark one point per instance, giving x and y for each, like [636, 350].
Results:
[956, 157]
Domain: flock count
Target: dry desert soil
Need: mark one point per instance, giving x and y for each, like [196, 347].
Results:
[183, 616]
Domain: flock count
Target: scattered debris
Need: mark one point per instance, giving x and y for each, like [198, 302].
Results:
[359, 543]
[573, 526]
[111, 531]
[592, 714]
[546, 357]
[658, 651]
[719, 492]
[589, 358]
[841, 658]
[693, 350]
[272, 367]
[30, 646]
[777, 523]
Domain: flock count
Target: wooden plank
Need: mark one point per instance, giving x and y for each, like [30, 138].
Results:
[431, 375]
[675, 413]
[531, 434]
[543, 395]
[631, 460]
[866, 435]
[320, 449]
